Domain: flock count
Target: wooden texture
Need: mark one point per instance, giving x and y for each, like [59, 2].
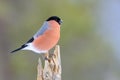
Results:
[52, 68]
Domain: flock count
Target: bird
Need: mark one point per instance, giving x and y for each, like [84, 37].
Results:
[45, 38]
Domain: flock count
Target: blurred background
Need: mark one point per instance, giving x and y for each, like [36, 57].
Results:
[90, 37]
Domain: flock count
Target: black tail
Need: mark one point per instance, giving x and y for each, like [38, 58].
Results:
[23, 46]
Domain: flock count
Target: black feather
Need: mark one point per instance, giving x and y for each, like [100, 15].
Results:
[23, 46]
[29, 41]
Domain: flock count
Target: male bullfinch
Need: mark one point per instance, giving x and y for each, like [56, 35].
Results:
[46, 37]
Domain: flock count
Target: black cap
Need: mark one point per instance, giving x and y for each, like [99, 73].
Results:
[57, 19]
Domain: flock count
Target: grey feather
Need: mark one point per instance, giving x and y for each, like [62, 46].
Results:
[42, 29]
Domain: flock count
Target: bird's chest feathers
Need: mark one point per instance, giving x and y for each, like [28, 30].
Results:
[52, 33]
[53, 30]
[48, 39]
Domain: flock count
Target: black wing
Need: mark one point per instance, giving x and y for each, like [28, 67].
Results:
[30, 40]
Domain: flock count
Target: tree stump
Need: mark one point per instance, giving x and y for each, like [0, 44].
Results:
[52, 68]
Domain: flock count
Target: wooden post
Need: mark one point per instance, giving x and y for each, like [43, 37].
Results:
[52, 68]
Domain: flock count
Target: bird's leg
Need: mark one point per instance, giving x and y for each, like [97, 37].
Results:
[45, 56]
[51, 55]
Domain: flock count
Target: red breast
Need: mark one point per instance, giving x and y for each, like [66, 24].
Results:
[50, 37]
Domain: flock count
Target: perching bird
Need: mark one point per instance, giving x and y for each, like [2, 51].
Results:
[46, 38]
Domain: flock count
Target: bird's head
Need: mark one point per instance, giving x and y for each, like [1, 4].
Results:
[57, 19]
